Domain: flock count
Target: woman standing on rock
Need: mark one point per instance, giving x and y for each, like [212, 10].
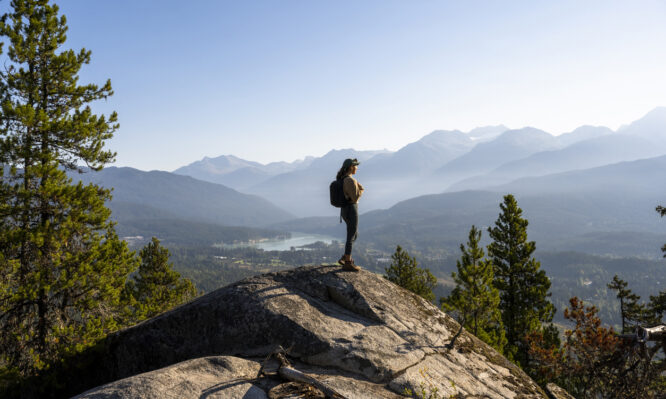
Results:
[349, 213]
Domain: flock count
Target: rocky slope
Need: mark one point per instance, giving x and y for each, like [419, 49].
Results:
[358, 333]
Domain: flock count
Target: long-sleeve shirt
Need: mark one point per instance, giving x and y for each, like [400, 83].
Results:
[352, 189]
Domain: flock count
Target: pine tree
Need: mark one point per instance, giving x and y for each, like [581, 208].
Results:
[658, 302]
[632, 313]
[662, 212]
[405, 272]
[157, 287]
[474, 299]
[62, 266]
[523, 286]
[657, 307]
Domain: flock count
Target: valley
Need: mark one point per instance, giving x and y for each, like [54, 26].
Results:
[589, 196]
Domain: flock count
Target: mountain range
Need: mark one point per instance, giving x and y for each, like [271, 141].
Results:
[592, 182]
[612, 206]
[238, 173]
[182, 209]
[440, 161]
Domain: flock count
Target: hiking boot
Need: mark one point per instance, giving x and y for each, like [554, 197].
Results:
[341, 261]
[350, 266]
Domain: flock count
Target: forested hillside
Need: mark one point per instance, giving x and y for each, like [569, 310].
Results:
[184, 197]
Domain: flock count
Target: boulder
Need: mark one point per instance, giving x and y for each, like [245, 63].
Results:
[209, 377]
[355, 331]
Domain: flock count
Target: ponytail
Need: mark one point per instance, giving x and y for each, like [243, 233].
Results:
[341, 173]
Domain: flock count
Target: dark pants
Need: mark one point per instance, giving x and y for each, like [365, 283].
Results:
[349, 214]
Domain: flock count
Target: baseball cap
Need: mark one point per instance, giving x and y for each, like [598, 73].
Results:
[350, 162]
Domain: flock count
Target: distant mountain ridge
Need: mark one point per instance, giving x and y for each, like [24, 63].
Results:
[440, 161]
[486, 133]
[238, 173]
[171, 195]
[594, 152]
[593, 147]
[486, 156]
[565, 210]
[305, 191]
[419, 157]
[652, 126]
[300, 187]
[582, 133]
[642, 176]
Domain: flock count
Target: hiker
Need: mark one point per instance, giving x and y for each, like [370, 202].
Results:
[349, 212]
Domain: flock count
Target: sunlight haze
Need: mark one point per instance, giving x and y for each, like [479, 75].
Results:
[271, 81]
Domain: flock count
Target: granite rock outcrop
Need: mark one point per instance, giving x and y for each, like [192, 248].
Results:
[356, 331]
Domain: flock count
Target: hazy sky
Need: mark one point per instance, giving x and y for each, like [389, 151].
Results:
[279, 80]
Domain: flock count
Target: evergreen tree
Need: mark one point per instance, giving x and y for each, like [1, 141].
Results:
[595, 362]
[405, 272]
[157, 287]
[474, 299]
[62, 266]
[523, 286]
[658, 302]
[631, 312]
[657, 306]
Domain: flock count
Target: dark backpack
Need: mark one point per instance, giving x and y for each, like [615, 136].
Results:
[338, 199]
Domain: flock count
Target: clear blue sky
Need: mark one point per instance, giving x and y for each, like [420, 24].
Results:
[280, 80]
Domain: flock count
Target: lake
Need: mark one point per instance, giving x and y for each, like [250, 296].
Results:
[296, 240]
